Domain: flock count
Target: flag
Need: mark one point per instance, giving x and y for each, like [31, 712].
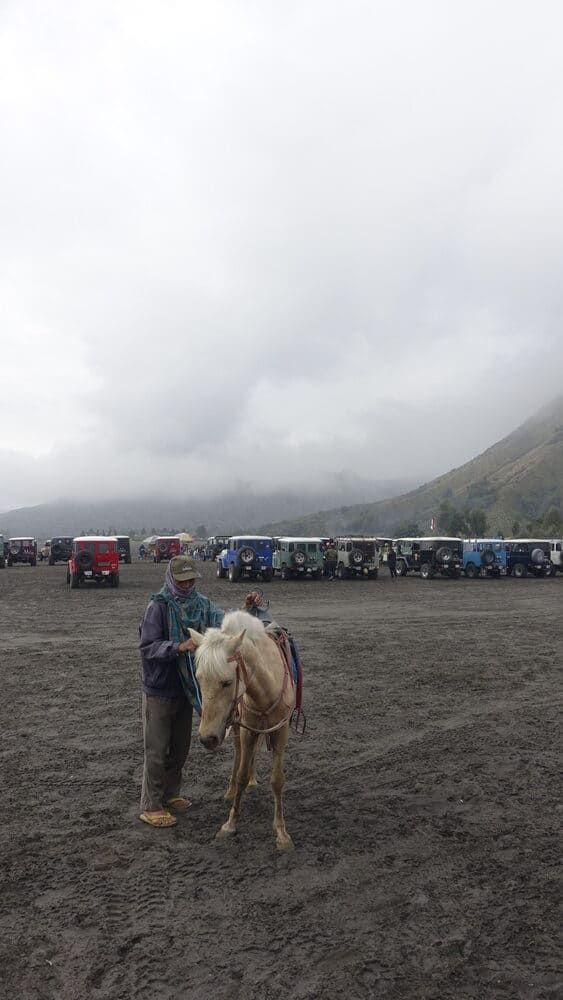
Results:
[433, 524]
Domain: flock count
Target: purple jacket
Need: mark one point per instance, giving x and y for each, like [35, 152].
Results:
[159, 654]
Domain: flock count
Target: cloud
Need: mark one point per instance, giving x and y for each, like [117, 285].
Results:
[328, 234]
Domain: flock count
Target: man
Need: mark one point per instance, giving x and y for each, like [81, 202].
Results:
[331, 558]
[168, 691]
[392, 561]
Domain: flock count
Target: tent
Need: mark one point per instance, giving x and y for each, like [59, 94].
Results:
[184, 537]
[149, 540]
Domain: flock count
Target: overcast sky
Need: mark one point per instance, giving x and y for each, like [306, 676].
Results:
[273, 240]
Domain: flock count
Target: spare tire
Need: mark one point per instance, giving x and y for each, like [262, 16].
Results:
[163, 547]
[84, 559]
[538, 557]
[14, 549]
[488, 557]
[246, 555]
[299, 558]
[56, 552]
[356, 557]
[444, 554]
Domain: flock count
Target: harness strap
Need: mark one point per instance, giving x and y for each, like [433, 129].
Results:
[235, 713]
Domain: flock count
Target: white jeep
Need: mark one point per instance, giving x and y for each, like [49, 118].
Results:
[357, 556]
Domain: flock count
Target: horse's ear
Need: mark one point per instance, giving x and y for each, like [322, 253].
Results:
[196, 637]
[234, 642]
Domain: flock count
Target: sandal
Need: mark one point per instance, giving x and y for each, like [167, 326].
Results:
[161, 819]
[179, 803]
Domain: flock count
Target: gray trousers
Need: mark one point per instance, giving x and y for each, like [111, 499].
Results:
[167, 733]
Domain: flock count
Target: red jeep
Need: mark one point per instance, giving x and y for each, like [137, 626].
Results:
[165, 547]
[94, 558]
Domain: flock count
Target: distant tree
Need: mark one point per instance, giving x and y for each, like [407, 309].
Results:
[553, 520]
[408, 529]
[201, 531]
[477, 522]
[515, 529]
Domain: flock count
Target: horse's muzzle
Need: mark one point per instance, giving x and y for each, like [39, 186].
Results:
[209, 742]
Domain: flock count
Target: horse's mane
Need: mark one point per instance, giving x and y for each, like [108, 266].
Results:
[210, 654]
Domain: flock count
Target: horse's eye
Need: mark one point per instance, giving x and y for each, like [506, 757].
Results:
[226, 684]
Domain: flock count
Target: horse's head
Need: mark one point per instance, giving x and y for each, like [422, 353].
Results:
[216, 670]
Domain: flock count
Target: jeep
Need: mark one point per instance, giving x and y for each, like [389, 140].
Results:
[2, 556]
[429, 556]
[484, 557]
[215, 545]
[357, 556]
[22, 550]
[60, 549]
[247, 556]
[124, 548]
[297, 557]
[165, 547]
[529, 555]
[93, 559]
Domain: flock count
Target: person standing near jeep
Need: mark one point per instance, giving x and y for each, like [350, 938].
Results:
[331, 559]
[392, 561]
[168, 691]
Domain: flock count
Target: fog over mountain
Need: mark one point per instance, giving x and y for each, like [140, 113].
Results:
[248, 247]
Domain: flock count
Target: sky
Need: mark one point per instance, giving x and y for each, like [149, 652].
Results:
[271, 242]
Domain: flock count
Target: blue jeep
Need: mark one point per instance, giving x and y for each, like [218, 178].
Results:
[484, 557]
[248, 556]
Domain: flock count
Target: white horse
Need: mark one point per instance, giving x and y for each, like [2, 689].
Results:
[245, 682]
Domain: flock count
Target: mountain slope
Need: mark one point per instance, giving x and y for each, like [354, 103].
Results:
[238, 510]
[516, 479]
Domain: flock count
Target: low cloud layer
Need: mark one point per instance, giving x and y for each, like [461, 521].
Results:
[267, 243]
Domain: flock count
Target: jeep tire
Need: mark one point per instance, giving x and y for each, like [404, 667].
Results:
[267, 574]
[356, 558]
[233, 573]
[84, 559]
[74, 581]
[488, 558]
[299, 558]
[444, 554]
[246, 555]
[519, 570]
[401, 567]
[114, 580]
[471, 571]
[221, 571]
[426, 571]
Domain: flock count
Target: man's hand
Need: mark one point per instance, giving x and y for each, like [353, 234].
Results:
[252, 600]
[187, 646]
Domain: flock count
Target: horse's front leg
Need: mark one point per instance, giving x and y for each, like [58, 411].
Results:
[247, 744]
[230, 793]
[279, 742]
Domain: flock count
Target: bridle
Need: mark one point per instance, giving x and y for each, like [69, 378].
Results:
[235, 713]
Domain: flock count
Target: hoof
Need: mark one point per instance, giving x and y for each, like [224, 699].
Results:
[284, 843]
[252, 782]
[224, 832]
[229, 795]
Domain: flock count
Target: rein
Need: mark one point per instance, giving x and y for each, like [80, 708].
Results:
[236, 709]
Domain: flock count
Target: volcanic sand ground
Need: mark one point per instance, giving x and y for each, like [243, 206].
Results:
[422, 802]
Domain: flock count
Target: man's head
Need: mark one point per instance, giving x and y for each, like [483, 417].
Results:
[184, 572]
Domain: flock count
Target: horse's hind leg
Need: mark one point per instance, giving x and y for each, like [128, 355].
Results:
[247, 744]
[279, 742]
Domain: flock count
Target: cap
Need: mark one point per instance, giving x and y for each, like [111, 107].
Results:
[184, 568]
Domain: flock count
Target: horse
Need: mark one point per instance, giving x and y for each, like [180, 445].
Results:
[245, 683]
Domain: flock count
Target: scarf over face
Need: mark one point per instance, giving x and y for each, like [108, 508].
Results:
[186, 610]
